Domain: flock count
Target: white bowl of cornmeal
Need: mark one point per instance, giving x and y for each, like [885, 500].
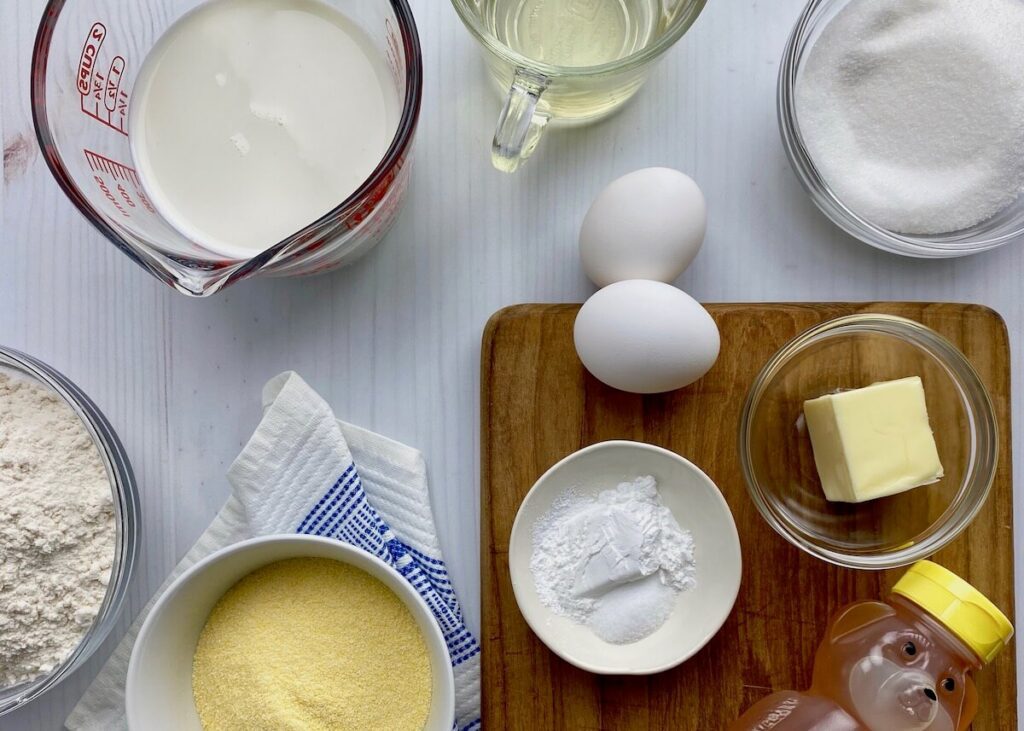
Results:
[290, 631]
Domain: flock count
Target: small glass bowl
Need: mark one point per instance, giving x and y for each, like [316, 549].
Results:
[852, 352]
[1004, 227]
[126, 513]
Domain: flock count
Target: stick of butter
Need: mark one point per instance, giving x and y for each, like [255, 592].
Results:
[874, 441]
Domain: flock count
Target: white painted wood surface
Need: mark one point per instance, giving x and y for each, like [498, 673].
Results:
[393, 343]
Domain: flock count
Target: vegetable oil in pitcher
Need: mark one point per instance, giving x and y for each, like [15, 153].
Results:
[575, 32]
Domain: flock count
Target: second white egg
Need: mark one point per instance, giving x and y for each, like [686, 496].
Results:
[648, 224]
[645, 337]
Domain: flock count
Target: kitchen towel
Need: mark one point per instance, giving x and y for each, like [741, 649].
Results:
[303, 471]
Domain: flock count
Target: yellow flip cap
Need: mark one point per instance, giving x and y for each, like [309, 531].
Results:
[961, 608]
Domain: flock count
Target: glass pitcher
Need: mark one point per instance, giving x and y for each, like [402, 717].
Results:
[85, 60]
[538, 92]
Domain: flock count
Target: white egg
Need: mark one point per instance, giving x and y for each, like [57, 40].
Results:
[645, 337]
[648, 224]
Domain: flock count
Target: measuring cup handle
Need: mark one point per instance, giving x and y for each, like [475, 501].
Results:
[520, 124]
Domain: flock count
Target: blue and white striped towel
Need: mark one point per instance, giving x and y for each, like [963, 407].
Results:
[304, 471]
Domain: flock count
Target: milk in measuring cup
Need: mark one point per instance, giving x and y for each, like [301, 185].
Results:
[253, 118]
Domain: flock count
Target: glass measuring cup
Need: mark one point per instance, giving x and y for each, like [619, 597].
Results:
[539, 93]
[84, 65]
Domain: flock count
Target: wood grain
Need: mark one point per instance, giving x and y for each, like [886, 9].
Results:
[538, 405]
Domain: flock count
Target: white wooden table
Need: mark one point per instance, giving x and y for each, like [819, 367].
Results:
[393, 342]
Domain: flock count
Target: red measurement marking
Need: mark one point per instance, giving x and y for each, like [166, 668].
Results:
[119, 183]
[105, 189]
[145, 201]
[102, 97]
[90, 51]
[118, 170]
[113, 83]
[393, 52]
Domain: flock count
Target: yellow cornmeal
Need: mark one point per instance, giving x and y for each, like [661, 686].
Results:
[311, 644]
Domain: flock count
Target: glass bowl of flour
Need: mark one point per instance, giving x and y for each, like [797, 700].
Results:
[69, 512]
[902, 121]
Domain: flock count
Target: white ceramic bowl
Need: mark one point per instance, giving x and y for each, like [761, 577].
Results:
[697, 505]
[159, 689]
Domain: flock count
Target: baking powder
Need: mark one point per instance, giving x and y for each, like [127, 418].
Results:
[614, 562]
[57, 530]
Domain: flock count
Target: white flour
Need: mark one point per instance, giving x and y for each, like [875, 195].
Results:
[615, 562]
[57, 530]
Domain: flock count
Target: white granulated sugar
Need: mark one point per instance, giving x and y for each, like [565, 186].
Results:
[913, 110]
[630, 612]
[614, 562]
[57, 530]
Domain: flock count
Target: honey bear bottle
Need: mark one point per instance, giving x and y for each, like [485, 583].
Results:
[900, 665]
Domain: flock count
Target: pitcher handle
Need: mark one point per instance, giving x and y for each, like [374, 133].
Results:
[520, 124]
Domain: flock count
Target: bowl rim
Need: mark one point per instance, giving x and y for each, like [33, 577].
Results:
[937, 246]
[646, 55]
[984, 430]
[729, 524]
[407, 594]
[127, 511]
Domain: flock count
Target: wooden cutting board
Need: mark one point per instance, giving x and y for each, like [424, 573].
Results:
[539, 405]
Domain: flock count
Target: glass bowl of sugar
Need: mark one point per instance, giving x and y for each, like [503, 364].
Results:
[91, 539]
[901, 121]
[850, 353]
